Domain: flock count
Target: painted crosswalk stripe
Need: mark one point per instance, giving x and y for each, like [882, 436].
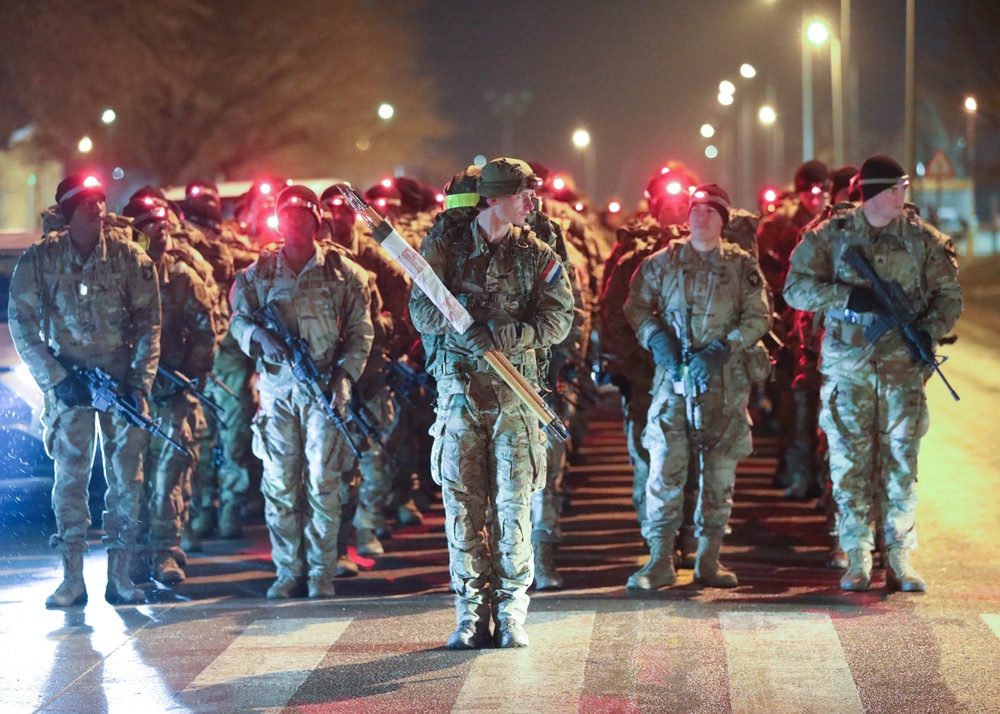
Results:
[263, 668]
[994, 622]
[545, 677]
[787, 663]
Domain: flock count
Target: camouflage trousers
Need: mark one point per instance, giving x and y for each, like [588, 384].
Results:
[718, 442]
[546, 505]
[167, 486]
[304, 463]
[635, 411]
[377, 477]
[488, 457]
[228, 482]
[874, 427]
[71, 435]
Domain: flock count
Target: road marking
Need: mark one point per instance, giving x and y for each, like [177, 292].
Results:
[994, 622]
[787, 663]
[263, 668]
[545, 677]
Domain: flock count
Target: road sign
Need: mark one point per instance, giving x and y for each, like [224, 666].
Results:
[939, 167]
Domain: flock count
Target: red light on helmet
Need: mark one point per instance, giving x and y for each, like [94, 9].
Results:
[91, 182]
[381, 202]
[272, 222]
[337, 202]
[673, 188]
[817, 190]
[558, 183]
[578, 206]
[265, 188]
[699, 195]
[440, 198]
[386, 182]
[195, 190]
[614, 207]
[665, 170]
[770, 195]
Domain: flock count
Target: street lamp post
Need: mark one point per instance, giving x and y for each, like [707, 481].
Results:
[971, 107]
[769, 118]
[582, 141]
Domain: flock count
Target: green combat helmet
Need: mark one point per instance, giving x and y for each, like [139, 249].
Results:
[506, 177]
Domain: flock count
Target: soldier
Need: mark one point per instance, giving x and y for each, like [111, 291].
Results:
[874, 411]
[323, 299]
[89, 295]
[187, 317]
[488, 448]
[700, 306]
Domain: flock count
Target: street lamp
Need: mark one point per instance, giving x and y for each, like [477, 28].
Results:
[711, 151]
[767, 115]
[971, 108]
[85, 146]
[817, 33]
[707, 131]
[727, 87]
[108, 116]
[385, 111]
[725, 99]
[581, 138]
[747, 71]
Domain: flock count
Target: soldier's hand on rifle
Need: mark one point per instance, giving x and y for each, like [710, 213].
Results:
[666, 352]
[339, 392]
[72, 391]
[922, 353]
[134, 399]
[273, 348]
[478, 340]
[709, 361]
[862, 299]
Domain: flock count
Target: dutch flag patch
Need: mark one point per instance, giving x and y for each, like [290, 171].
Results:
[552, 272]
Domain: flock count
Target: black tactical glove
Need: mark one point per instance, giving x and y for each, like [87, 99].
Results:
[133, 398]
[666, 352]
[862, 299]
[478, 340]
[72, 392]
[926, 347]
[708, 361]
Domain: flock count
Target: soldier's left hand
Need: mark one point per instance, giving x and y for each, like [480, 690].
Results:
[135, 399]
[924, 349]
[505, 331]
[709, 361]
[339, 394]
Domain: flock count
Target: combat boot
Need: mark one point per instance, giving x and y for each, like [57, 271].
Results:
[859, 571]
[346, 568]
[688, 548]
[121, 590]
[546, 575]
[658, 571]
[203, 524]
[166, 568]
[470, 634]
[409, 515]
[836, 558]
[368, 542]
[707, 569]
[285, 587]
[72, 590]
[321, 587]
[901, 575]
[508, 633]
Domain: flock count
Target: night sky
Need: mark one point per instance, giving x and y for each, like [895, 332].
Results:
[643, 76]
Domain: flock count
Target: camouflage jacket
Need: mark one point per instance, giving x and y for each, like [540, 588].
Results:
[520, 276]
[327, 304]
[699, 299]
[100, 312]
[909, 251]
[187, 313]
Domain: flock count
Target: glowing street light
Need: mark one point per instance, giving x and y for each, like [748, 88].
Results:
[85, 145]
[767, 115]
[711, 152]
[817, 32]
[725, 99]
[707, 131]
[385, 111]
[108, 116]
[971, 105]
[727, 87]
[581, 138]
[747, 71]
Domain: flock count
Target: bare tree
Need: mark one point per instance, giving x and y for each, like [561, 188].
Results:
[205, 87]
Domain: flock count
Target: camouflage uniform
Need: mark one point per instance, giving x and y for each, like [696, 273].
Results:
[874, 410]
[102, 311]
[488, 448]
[722, 297]
[327, 304]
[187, 312]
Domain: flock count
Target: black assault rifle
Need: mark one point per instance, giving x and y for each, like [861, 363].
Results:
[183, 384]
[897, 313]
[104, 397]
[303, 367]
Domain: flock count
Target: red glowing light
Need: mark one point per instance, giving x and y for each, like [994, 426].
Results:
[386, 182]
[770, 195]
[272, 222]
[674, 187]
[265, 188]
[614, 207]
[558, 183]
